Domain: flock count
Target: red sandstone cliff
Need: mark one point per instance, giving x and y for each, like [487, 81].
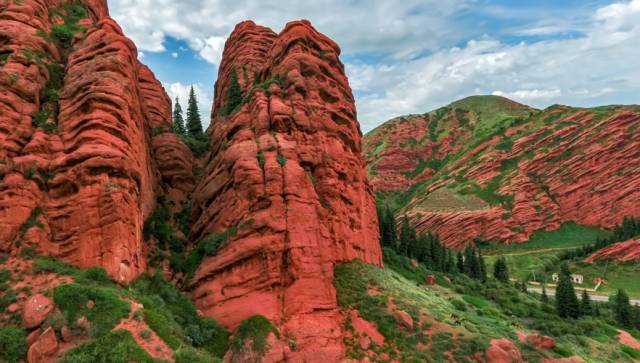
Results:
[80, 190]
[520, 175]
[286, 169]
[623, 251]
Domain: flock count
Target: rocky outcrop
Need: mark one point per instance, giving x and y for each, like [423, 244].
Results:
[503, 351]
[285, 180]
[78, 168]
[622, 251]
[502, 181]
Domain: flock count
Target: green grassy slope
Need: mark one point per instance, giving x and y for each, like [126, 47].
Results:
[452, 322]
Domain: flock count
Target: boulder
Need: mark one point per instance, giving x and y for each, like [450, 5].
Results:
[403, 319]
[503, 351]
[35, 310]
[431, 280]
[44, 349]
[365, 328]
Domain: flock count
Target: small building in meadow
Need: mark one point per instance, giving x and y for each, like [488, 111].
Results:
[575, 278]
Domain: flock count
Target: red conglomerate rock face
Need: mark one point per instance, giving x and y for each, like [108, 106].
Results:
[80, 190]
[622, 251]
[469, 178]
[286, 175]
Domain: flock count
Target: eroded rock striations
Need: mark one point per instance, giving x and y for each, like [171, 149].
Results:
[286, 176]
[622, 251]
[77, 154]
[487, 168]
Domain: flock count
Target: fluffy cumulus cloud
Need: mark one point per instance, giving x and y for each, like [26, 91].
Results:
[599, 66]
[415, 55]
[402, 28]
[181, 92]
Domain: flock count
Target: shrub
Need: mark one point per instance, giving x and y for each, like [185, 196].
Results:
[190, 355]
[256, 329]
[50, 265]
[261, 160]
[459, 305]
[13, 344]
[162, 295]
[108, 310]
[116, 347]
[197, 144]
[4, 275]
[32, 220]
[281, 160]
[97, 274]
[163, 325]
[145, 334]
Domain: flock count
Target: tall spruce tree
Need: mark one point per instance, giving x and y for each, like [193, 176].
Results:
[622, 309]
[407, 237]
[460, 263]
[585, 304]
[470, 263]
[178, 119]
[567, 305]
[387, 225]
[194, 124]
[500, 270]
[482, 267]
[234, 94]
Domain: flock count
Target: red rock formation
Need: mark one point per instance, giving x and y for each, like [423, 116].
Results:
[45, 348]
[35, 310]
[503, 351]
[622, 251]
[89, 183]
[558, 165]
[286, 170]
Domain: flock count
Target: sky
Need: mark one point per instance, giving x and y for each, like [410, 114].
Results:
[413, 56]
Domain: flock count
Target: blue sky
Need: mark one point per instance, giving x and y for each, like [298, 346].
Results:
[413, 56]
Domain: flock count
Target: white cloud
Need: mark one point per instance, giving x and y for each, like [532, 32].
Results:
[210, 49]
[174, 55]
[600, 67]
[589, 56]
[203, 97]
[403, 28]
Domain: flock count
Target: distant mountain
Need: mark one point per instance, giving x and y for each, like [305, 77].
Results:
[489, 168]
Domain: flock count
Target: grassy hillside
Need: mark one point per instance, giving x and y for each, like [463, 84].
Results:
[454, 321]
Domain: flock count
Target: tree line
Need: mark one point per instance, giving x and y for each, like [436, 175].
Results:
[427, 248]
[628, 229]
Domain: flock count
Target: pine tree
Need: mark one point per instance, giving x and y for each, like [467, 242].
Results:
[460, 263]
[194, 124]
[500, 270]
[451, 263]
[545, 297]
[178, 119]
[391, 227]
[585, 304]
[406, 234]
[567, 305]
[622, 309]
[234, 94]
[471, 267]
[482, 270]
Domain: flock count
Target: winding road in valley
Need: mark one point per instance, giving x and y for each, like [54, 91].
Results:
[600, 298]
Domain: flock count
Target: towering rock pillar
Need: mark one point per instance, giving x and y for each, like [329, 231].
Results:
[78, 174]
[286, 181]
